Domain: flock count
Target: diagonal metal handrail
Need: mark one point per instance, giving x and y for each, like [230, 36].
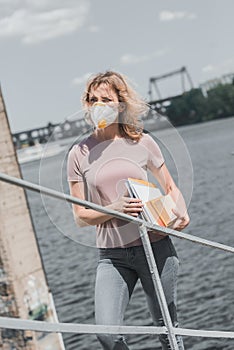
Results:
[163, 230]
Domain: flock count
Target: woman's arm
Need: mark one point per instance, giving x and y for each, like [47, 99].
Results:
[84, 216]
[168, 185]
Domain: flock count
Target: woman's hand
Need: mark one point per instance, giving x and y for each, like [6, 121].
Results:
[181, 222]
[127, 205]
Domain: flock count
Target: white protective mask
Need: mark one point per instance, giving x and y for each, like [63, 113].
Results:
[103, 114]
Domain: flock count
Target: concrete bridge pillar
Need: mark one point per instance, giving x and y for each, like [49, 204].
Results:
[21, 267]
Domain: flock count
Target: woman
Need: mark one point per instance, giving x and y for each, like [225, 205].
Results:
[97, 170]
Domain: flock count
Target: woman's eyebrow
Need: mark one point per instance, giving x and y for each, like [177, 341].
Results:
[102, 97]
[107, 97]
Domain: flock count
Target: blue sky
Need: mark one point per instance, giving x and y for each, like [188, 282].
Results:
[48, 48]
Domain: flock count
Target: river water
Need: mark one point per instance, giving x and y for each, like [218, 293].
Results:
[201, 160]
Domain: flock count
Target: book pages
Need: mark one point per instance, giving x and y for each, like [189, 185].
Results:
[157, 207]
[144, 190]
[163, 206]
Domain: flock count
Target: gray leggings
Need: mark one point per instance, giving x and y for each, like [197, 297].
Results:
[117, 273]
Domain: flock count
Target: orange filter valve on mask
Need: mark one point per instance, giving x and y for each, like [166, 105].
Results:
[103, 114]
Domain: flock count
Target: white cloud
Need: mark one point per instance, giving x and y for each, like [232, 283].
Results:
[38, 20]
[166, 16]
[131, 59]
[81, 80]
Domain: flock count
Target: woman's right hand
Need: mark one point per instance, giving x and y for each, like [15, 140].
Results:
[127, 205]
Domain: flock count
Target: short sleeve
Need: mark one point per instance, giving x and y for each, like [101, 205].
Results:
[73, 166]
[155, 157]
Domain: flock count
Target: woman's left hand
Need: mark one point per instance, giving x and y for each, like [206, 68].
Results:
[181, 222]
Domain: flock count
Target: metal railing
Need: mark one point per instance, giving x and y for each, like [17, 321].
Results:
[143, 226]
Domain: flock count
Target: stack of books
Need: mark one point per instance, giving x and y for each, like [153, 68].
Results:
[157, 208]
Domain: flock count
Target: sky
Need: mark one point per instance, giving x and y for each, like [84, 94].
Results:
[48, 49]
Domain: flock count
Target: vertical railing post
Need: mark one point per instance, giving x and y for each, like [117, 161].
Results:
[158, 286]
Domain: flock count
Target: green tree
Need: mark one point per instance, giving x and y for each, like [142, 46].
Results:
[190, 108]
[193, 107]
[220, 102]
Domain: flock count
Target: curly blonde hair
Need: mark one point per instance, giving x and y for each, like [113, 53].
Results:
[135, 107]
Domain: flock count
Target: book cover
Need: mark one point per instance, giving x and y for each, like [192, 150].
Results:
[143, 189]
[157, 207]
[163, 207]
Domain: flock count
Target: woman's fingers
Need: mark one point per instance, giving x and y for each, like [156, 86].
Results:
[181, 223]
[132, 209]
[132, 200]
[132, 206]
[176, 212]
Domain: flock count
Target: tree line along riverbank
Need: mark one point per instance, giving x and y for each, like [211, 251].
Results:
[194, 107]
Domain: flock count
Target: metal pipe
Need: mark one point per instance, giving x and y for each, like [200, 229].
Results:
[158, 287]
[164, 230]
[79, 328]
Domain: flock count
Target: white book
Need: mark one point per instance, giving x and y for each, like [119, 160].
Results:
[143, 189]
[157, 208]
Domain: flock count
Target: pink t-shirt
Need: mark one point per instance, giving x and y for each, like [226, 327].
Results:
[103, 167]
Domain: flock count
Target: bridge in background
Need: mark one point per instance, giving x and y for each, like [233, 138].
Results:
[51, 132]
[76, 126]
[156, 100]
